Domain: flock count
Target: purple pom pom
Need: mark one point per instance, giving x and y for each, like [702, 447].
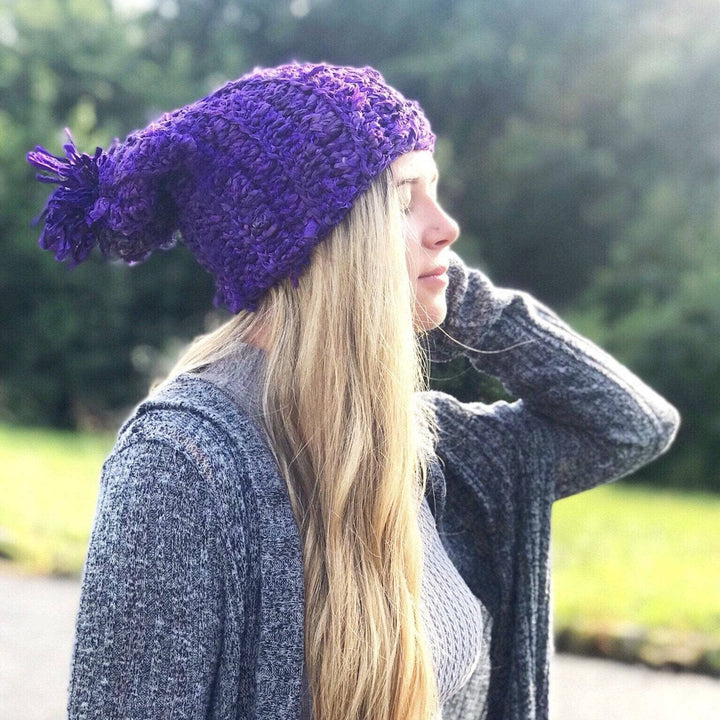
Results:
[69, 215]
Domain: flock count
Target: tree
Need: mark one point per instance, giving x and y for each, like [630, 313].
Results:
[577, 144]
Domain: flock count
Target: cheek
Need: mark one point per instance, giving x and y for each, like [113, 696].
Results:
[412, 253]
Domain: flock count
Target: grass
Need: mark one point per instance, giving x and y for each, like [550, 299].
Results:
[48, 486]
[621, 554]
[638, 556]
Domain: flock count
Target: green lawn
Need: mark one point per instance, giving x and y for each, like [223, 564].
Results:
[622, 555]
[48, 486]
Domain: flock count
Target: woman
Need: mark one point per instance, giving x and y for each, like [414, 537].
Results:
[287, 527]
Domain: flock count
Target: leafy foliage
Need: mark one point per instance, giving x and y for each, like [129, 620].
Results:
[578, 144]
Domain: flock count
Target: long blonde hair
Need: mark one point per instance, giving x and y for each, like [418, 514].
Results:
[340, 412]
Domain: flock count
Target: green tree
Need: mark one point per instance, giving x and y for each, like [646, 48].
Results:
[577, 142]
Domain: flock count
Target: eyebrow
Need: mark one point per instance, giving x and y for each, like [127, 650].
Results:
[407, 181]
[415, 180]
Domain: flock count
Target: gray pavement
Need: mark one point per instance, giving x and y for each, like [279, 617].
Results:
[36, 628]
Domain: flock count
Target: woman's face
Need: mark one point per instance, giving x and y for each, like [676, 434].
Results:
[429, 232]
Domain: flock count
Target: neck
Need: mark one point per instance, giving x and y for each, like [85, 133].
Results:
[241, 374]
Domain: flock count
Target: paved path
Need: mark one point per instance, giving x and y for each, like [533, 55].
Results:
[36, 627]
[36, 630]
[588, 689]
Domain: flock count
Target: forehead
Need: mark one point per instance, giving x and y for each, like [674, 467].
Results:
[415, 165]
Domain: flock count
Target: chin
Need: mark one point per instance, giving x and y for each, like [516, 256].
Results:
[429, 316]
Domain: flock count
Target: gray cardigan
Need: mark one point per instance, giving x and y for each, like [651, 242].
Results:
[192, 598]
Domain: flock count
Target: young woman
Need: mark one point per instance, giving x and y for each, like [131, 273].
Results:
[287, 527]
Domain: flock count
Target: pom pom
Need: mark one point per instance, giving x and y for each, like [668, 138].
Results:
[70, 216]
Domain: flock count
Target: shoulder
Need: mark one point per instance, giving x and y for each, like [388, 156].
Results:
[468, 429]
[188, 470]
[488, 458]
[196, 420]
[448, 409]
[190, 444]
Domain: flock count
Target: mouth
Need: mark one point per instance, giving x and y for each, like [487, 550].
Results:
[436, 272]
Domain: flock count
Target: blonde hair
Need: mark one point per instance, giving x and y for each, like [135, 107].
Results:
[343, 421]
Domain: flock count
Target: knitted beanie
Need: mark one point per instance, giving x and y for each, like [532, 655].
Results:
[250, 178]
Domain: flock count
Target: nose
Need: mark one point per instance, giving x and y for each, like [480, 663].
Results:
[441, 229]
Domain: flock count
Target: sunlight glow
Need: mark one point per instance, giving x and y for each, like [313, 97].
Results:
[8, 33]
[133, 8]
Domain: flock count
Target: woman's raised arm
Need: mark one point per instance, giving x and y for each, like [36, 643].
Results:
[602, 419]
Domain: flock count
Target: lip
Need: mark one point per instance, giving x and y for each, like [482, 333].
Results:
[438, 271]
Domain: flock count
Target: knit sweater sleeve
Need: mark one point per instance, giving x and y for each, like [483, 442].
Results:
[150, 623]
[597, 420]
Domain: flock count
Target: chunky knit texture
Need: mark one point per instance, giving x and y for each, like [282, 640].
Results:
[192, 601]
[252, 177]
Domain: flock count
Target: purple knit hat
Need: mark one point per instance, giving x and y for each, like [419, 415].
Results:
[252, 177]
